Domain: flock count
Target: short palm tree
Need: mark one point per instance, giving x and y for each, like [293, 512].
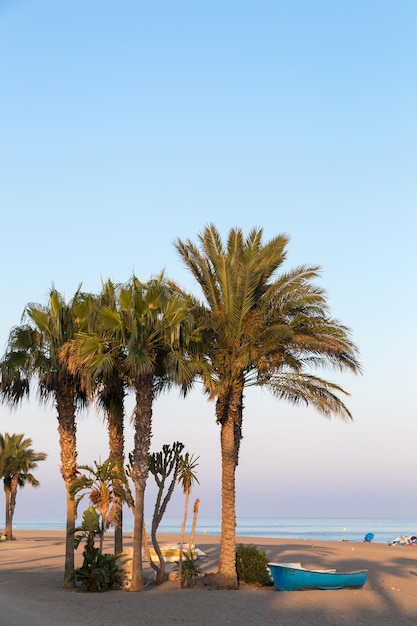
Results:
[17, 462]
[107, 488]
[33, 355]
[261, 329]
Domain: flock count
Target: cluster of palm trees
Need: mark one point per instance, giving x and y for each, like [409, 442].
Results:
[251, 326]
[18, 460]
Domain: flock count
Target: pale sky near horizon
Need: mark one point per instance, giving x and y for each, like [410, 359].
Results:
[126, 125]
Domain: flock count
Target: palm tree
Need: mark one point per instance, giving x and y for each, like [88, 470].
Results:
[149, 327]
[155, 325]
[33, 354]
[17, 462]
[102, 379]
[107, 488]
[261, 329]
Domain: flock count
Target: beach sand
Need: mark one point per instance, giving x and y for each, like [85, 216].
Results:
[31, 592]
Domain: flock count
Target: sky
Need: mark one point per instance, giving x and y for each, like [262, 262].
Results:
[124, 126]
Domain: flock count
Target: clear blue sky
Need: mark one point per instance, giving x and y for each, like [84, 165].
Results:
[125, 125]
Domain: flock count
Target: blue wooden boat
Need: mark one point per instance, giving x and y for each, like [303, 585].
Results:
[293, 577]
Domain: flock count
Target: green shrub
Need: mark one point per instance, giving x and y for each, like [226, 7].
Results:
[99, 572]
[251, 565]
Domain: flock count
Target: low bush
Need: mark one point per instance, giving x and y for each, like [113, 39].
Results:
[251, 565]
[99, 572]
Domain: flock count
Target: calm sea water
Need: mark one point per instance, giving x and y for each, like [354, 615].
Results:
[319, 529]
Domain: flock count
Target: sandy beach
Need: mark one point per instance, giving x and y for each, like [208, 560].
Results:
[31, 572]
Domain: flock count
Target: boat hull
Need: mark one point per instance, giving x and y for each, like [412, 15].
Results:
[171, 553]
[298, 578]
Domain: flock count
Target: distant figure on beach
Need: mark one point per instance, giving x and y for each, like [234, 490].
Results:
[368, 537]
[404, 541]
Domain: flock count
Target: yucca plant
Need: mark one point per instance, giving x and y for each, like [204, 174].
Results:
[189, 570]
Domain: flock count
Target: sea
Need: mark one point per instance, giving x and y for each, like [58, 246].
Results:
[385, 530]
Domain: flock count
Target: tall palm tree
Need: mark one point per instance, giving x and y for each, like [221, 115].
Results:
[262, 329]
[103, 380]
[33, 355]
[17, 462]
[149, 326]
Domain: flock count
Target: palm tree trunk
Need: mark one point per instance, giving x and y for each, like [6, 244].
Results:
[137, 569]
[12, 504]
[67, 431]
[69, 541]
[8, 528]
[142, 441]
[116, 454]
[227, 564]
[118, 526]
